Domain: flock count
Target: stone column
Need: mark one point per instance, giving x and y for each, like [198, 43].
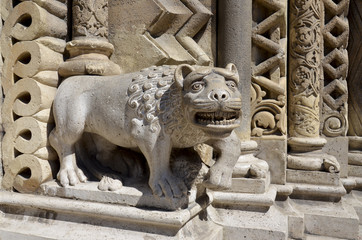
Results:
[304, 99]
[234, 46]
[89, 50]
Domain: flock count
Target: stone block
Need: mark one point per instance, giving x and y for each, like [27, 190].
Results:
[312, 177]
[337, 220]
[250, 185]
[237, 224]
[354, 170]
[274, 151]
[236, 200]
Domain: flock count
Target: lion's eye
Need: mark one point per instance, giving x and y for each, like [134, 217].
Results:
[231, 84]
[197, 86]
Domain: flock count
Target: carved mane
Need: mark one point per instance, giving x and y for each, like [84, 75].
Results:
[155, 98]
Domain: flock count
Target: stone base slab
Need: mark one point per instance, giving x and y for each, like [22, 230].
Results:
[264, 225]
[315, 192]
[169, 223]
[138, 196]
[14, 227]
[328, 219]
[238, 200]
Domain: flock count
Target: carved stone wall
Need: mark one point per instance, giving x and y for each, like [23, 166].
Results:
[295, 175]
[32, 42]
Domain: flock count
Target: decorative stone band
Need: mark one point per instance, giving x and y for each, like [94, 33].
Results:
[35, 46]
[89, 56]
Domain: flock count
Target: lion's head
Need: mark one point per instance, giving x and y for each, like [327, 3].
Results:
[211, 99]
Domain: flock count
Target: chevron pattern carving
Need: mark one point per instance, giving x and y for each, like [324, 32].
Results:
[169, 32]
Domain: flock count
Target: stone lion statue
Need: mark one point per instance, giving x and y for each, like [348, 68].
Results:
[152, 111]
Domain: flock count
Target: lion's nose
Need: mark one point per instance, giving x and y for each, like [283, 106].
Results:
[219, 95]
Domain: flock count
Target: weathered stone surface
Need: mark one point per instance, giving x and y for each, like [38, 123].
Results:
[337, 220]
[59, 214]
[274, 151]
[240, 224]
[249, 185]
[338, 147]
[312, 177]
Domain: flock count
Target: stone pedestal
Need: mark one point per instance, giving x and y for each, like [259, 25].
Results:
[43, 217]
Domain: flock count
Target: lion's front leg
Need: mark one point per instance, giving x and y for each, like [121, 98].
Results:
[220, 174]
[157, 150]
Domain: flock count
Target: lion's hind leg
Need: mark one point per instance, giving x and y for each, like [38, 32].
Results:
[63, 140]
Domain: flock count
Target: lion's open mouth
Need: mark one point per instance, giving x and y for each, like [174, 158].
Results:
[217, 118]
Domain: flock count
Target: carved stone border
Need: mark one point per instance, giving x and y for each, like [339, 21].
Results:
[32, 43]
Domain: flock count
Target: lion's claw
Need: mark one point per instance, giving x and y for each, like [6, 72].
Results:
[70, 177]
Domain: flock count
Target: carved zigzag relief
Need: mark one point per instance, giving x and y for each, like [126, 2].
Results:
[162, 32]
[268, 71]
[173, 29]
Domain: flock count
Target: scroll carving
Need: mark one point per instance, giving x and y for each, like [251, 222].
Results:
[35, 44]
[304, 88]
[305, 68]
[268, 93]
[335, 67]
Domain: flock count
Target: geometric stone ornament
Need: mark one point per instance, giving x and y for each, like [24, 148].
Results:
[335, 66]
[268, 92]
[162, 32]
[32, 47]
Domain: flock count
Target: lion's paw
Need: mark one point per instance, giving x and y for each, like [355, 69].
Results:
[70, 176]
[169, 186]
[218, 179]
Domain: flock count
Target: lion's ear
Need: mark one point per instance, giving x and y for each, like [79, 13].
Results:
[232, 68]
[181, 72]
